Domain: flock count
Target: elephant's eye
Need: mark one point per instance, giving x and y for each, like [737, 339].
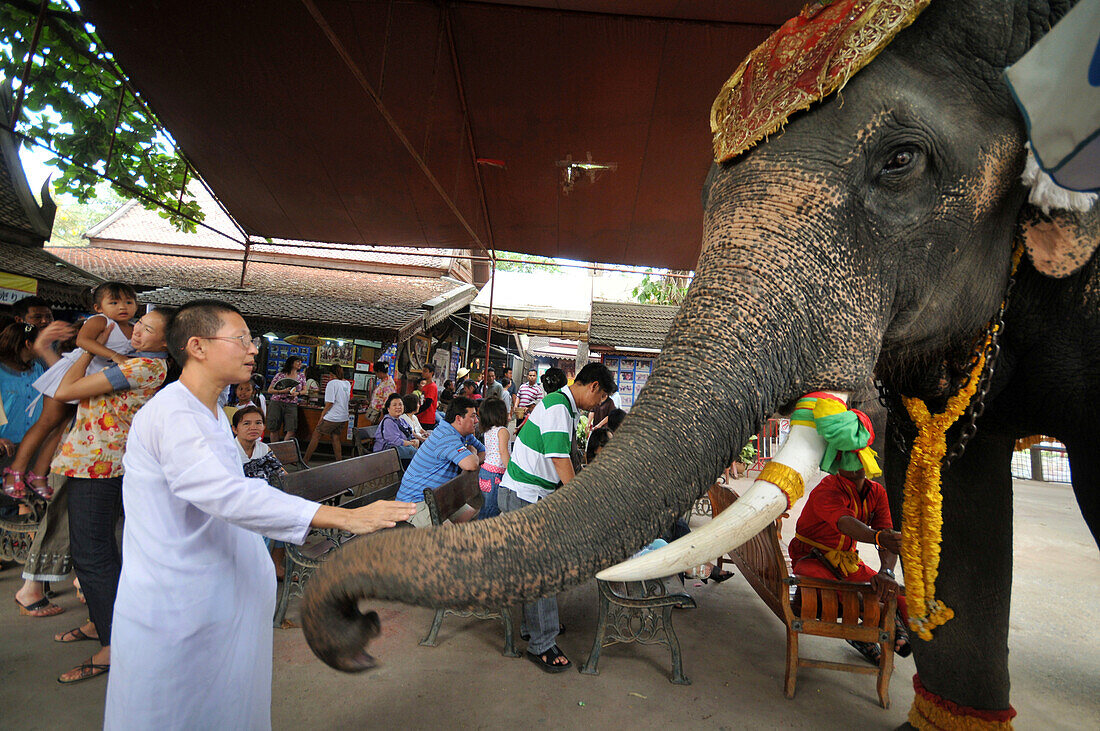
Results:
[901, 160]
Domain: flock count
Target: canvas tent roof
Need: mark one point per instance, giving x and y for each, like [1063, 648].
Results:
[537, 304]
[360, 121]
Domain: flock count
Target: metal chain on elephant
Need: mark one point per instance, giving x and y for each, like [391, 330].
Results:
[991, 335]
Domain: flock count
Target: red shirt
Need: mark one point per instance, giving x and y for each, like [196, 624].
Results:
[833, 498]
[427, 416]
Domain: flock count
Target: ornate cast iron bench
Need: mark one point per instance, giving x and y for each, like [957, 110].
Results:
[16, 536]
[638, 611]
[365, 479]
[459, 501]
[808, 606]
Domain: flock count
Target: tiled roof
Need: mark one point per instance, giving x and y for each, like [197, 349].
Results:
[277, 291]
[58, 281]
[12, 212]
[630, 325]
[132, 222]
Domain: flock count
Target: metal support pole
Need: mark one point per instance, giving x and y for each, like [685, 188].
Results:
[469, 326]
[1036, 463]
[15, 110]
[489, 327]
[244, 264]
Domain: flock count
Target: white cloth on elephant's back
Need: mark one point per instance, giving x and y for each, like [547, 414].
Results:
[192, 640]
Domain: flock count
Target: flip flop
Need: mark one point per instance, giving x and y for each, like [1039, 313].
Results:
[42, 605]
[548, 665]
[88, 670]
[75, 635]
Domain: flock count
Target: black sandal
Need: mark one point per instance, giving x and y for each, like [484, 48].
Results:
[88, 670]
[550, 664]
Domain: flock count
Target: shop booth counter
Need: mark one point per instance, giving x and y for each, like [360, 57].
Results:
[309, 413]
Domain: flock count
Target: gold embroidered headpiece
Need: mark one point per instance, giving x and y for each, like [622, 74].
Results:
[809, 57]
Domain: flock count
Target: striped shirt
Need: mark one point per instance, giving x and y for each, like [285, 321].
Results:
[436, 462]
[529, 395]
[548, 433]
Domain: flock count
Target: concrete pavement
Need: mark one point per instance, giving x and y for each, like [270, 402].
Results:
[733, 652]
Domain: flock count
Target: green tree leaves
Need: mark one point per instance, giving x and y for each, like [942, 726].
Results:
[78, 103]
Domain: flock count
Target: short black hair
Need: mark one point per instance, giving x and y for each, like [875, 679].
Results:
[411, 402]
[335, 369]
[390, 400]
[429, 367]
[492, 412]
[285, 367]
[458, 408]
[492, 370]
[196, 319]
[112, 289]
[448, 384]
[20, 307]
[615, 418]
[380, 366]
[596, 441]
[597, 373]
[467, 384]
[245, 411]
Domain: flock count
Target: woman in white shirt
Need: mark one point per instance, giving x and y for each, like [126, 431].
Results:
[412, 406]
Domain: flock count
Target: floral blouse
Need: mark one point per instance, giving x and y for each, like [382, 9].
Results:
[385, 387]
[94, 446]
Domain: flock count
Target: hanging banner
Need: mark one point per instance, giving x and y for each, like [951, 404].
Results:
[14, 287]
[1057, 87]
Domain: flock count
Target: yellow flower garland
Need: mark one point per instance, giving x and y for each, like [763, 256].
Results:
[922, 511]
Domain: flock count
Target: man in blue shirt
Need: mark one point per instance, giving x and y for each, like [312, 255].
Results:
[450, 449]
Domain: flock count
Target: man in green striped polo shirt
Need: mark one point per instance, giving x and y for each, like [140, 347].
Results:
[539, 464]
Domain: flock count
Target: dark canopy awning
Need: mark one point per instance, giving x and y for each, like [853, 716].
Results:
[345, 120]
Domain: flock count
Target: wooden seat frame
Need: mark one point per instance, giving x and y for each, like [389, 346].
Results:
[809, 606]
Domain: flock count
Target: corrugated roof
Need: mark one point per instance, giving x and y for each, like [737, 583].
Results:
[133, 223]
[58, 281]
[630, 325]
[277, 291]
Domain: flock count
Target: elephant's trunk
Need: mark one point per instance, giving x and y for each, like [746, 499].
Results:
[728, 363]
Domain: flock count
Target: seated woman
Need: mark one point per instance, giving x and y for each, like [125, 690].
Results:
[394, 432]
[259, 461]
[412, 407]
[256, 457]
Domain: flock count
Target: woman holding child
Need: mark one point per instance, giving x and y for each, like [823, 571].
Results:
[91, 459]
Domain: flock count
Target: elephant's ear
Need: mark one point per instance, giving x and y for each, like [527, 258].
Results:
[1060, 242]
[1061, 228]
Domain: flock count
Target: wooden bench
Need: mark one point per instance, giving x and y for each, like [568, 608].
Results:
[638, 611]
[351, 483]
[364, 439]
[459, 500]
[288, 453]
[809, 606]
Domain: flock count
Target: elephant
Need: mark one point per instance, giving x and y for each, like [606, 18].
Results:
[871, 238]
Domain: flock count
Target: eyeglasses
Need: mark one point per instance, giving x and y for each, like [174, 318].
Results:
[243, 340]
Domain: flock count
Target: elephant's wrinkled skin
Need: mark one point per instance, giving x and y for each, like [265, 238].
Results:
[873, 235]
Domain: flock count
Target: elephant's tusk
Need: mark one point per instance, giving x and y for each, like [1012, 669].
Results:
[763, 503]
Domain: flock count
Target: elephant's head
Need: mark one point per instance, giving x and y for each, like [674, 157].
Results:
[874, 232]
